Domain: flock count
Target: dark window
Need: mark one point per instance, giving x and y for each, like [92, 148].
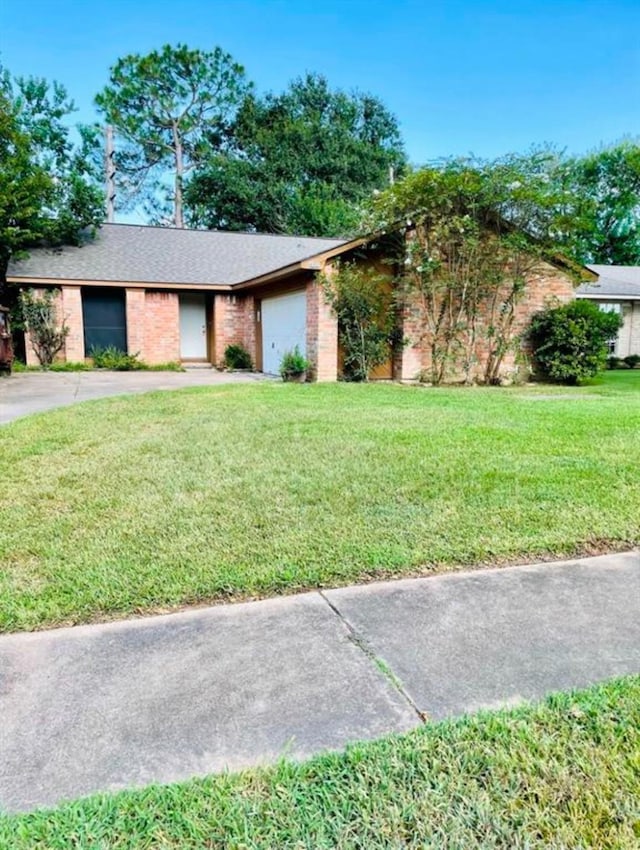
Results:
[104, 316]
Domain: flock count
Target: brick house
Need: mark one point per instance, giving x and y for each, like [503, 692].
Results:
[617, 289]
[170, 294]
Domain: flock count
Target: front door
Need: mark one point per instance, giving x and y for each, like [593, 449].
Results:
[193, 327]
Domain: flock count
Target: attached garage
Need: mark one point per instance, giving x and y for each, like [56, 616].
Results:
[104, 317]
[284, 326]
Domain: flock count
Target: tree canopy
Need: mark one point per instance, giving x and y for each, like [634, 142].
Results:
[48, 191]
[602, 196]
[475, 232]
[299, 162]
[171, 109]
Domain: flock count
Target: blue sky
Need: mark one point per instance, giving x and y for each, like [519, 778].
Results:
[461, 76]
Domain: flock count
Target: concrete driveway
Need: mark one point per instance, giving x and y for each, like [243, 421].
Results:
[160, 699]
[33, 392]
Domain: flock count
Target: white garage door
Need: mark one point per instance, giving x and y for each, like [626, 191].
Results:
[284, 325]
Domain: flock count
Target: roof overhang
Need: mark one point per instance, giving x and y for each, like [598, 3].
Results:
[600, 296]
[128, 284]
[315, 263]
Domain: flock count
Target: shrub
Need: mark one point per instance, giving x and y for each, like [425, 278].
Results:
[37, 315]
[366, 319]
[169, 366]
[293, 364]
[632, 361]
[113, 358]
[237, 357]
[614, 362]
[570, 342]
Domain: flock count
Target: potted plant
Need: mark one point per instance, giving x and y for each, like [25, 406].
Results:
[294, 366]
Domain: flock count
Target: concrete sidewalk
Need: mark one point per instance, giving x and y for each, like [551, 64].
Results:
[102, 707]
[34, 392]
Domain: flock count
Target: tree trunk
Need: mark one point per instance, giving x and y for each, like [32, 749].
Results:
[178, 218]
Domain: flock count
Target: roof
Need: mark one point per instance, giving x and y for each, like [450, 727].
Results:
[613, 282]
[140, 254]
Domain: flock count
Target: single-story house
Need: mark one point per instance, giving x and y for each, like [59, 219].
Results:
[617, 289]
[172, 294]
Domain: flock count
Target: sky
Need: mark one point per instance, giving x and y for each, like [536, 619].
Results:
[462, 77]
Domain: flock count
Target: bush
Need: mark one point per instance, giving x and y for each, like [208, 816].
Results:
[169, 366]
[237, 357]
[366, 321]
[632, 361]
[37, 315]
[570, 342]
[113, 358]
[614, 362]
[293, 364]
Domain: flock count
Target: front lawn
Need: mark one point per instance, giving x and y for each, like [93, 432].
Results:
[563, 774]
[139, 503]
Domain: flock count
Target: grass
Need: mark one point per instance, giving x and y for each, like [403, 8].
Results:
[558, 775]
[82, 366]
[141, 503]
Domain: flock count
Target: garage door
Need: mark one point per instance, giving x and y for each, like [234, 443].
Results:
[284, 326]
[104, 316]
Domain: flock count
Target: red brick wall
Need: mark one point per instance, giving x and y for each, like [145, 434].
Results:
[544, 284]
[135, 302]
[68, 307]
[161, 327]
[233, 324]
[322, 333]
[153, 325]
[71, 306]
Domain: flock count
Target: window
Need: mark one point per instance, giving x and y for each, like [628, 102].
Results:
[611, 307]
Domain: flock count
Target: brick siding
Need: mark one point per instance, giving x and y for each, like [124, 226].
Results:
[153, 325]
[233, 324]
[322, 333]
[544, 284]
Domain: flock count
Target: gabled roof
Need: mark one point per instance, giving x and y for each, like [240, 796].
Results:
[133, 253]
[613, 282]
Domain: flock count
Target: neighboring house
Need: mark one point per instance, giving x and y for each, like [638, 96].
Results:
[171, 294]
[617, 289]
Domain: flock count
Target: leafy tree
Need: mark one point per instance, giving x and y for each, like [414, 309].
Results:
[299, 162]
[171, 108]
[48, 192]
[570, 342]
[476, 230]
[602, 193]
[591, 203]
[362, 303]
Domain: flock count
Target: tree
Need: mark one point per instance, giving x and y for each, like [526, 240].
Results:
[48, 192]
[476, 230]
[362, 303]
[38, 317]
[591, 202]
[603, 200]
[570, 342]
[299, 162]
[171, 109]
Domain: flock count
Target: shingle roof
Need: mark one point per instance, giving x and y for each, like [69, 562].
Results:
[137, 253]
[613, 282]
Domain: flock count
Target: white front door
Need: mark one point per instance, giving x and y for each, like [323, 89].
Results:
[284, 326]
[193, 327]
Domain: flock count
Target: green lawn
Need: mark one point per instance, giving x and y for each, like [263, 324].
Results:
[145, 502]
[562, 775]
